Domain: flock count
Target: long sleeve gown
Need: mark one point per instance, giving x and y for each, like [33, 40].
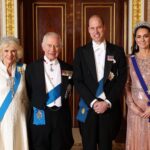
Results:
[138, 129]
[13, 130]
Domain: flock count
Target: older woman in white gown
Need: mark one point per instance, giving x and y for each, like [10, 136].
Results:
[13, 97]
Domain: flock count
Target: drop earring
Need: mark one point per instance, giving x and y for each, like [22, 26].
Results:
[136, 46]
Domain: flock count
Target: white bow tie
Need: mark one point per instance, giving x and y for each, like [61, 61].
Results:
[98, 47]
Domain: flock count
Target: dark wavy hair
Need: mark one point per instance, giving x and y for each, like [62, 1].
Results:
[135, 48]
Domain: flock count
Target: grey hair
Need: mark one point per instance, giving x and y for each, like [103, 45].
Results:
[52, 34]
[11, 40]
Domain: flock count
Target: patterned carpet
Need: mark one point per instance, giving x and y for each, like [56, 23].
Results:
[78, 144]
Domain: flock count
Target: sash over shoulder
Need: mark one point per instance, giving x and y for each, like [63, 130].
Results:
[139, 75]
[9, 97]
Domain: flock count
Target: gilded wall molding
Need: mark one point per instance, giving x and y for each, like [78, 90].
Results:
[9, 5]
[136, 11]
[136, 14]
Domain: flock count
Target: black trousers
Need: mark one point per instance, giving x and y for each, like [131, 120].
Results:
[55, 135]
[96, 132]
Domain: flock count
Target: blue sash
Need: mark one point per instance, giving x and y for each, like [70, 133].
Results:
[142, 82]
[38, 114]
[9, 96]
[83, 107]
[54, 94]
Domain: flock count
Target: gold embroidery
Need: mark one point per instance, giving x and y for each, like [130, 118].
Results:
[39, 114]
[83, 110]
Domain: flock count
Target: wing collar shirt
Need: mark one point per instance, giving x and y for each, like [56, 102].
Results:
[100, 54]
[52, 78]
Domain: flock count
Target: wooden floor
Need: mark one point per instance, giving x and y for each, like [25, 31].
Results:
[78, 143]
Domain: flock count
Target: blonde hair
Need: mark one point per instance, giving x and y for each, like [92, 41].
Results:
[11, 40]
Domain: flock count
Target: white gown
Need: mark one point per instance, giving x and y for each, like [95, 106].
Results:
[13, 129]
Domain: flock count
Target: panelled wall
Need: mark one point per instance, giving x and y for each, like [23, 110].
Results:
[70, 19]
[147, 10]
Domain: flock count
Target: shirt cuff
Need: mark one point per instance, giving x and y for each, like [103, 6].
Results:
[109, 103]
[103, 96]
[92, 103]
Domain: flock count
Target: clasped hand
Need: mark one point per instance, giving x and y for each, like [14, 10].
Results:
[100, 107]
[146, 113]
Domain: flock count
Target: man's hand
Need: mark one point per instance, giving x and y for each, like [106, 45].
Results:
[100, 107]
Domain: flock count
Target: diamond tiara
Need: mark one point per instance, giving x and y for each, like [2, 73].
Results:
[141, 24]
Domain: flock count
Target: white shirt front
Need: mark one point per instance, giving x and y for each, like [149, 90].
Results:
[52, 78]
[100, 54]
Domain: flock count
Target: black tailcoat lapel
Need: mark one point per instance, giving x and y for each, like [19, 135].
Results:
[63, 78]
[90, 59]
[41, 74]
[108, 64]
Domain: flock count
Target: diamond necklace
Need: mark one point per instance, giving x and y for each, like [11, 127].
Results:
[10, 84]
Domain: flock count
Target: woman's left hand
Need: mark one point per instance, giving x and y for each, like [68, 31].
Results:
[146, 113]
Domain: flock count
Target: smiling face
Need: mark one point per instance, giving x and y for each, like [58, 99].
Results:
[96, 29]
[142, 38]
[51, 46]
[9, 54]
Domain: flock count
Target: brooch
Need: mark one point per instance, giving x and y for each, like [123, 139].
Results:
[148, 91]
[20, 70]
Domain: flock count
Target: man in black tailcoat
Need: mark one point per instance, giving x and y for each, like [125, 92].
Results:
[48, 84]
[99, 76]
